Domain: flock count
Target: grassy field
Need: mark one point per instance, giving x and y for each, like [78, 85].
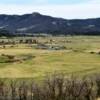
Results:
[80, 56]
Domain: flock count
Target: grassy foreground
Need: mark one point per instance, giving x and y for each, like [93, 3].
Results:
[80, 56]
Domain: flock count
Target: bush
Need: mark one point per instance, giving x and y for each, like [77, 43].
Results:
[53, 88]
[92, 52]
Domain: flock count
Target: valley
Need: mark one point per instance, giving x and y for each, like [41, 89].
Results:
[34, 57]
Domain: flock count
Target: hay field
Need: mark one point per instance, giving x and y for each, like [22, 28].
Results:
[79, 55]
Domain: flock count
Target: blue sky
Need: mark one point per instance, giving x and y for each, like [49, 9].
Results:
[42, 1]
[69, 9]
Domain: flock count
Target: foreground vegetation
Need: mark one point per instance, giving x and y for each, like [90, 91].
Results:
[24, 62]
[56, 87]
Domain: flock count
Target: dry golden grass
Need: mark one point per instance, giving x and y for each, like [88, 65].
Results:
[76, 59]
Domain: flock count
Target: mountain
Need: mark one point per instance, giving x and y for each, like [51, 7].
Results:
[37, 23]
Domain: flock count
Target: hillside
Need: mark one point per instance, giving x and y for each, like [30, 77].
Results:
[37, 23]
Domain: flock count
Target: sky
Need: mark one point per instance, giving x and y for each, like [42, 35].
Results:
[68, 9]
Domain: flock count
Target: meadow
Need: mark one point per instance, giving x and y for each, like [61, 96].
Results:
[35, 57]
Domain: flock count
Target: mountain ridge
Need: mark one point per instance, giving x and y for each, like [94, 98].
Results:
[38, 23]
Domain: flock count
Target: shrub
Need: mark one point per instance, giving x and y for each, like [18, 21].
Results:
[57, 87]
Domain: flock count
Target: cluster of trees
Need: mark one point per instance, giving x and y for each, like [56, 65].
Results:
[13, 42]
[4, 32]
[53, 88]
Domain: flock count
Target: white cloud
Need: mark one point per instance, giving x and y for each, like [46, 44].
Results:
[94, 1]
[90, 9]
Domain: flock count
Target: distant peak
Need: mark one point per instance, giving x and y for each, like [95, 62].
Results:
[36, 14]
